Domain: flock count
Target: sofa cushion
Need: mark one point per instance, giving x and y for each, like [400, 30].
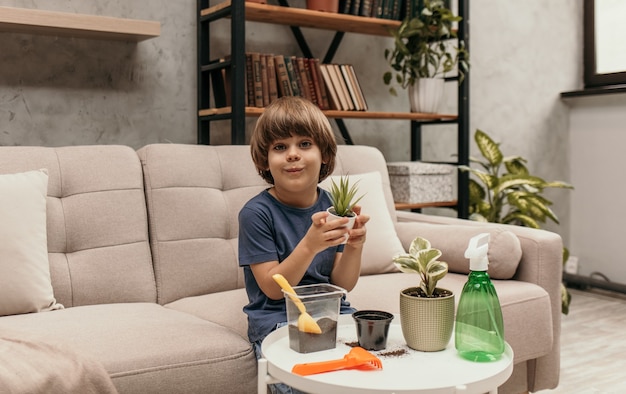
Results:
[24, 269]
[97, 227]
[505, 251]
[381, 243]
[224, 308]
[194, 194]
[147, 348]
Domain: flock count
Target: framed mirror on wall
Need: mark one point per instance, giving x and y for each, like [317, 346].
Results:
[604, 38]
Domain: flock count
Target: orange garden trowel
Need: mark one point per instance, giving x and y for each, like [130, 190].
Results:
[357, 357]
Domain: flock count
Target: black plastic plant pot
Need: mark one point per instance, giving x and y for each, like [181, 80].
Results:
[372, 328]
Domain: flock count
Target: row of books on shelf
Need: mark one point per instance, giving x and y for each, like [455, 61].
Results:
[269, 76]
[385, 9]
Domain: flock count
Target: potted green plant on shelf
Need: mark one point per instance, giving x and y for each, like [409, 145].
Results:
[505, 192]
[426, 311]
[423, 54]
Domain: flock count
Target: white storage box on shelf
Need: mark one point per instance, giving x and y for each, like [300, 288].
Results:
[415, 182]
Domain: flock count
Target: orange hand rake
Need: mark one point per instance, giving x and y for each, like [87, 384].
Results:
[357, 357]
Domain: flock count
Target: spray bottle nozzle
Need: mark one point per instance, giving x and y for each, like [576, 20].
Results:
[476, 252]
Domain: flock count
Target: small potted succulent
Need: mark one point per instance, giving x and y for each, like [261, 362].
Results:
[422, 54]
[426, 311]
[343, 198]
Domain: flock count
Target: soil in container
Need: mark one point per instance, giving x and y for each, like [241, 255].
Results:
[305, 342]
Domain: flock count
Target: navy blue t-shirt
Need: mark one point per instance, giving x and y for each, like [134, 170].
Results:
[269, 231]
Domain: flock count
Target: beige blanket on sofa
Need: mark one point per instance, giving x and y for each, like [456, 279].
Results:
[28, 365]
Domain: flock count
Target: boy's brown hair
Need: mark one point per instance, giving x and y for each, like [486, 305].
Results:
[286, 117]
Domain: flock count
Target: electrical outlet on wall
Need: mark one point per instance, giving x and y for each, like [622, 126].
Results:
[571, 265]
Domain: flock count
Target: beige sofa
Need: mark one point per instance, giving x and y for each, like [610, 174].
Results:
[142, 250]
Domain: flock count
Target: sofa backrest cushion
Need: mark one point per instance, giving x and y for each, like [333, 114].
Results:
[25, 284]
[504, 252]
[98, 247]
[194, 194]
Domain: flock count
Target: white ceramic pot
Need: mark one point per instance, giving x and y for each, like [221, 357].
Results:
[425, 95]
[333, 216]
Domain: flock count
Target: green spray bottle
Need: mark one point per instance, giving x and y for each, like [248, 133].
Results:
[479, 328]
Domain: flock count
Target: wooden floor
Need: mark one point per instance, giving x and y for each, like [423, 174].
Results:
[593, 344]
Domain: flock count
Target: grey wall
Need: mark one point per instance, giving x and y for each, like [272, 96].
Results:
[61, 91]
[66, 91]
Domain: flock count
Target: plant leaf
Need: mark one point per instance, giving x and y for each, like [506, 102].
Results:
[418, 244]
[558, 184]
[511, 180]
[515, 165]
[524, 219]
[489, 149]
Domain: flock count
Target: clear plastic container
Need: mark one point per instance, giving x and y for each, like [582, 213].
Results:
[322, 302]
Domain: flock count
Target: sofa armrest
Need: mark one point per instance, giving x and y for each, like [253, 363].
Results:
[542, 251]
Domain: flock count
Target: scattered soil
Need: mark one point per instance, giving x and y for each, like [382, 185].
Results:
[305, 342]
[397, 352]
[393, 353]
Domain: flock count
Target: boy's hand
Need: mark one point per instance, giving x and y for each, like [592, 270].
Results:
[323, 234]
[358, 232]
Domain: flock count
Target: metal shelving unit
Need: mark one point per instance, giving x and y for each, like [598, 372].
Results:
[240, 11]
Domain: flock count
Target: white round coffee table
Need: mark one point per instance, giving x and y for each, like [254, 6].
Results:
[404, 370]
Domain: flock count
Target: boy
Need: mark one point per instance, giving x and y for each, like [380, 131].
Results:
[284, 229]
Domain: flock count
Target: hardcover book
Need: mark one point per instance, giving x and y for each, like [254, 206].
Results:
[282, 77]
[351, 87]
[265, 80]
[306, 65]
[319, 84]
[342, 89]
[271, 78]
[258, 82]
[301, 86]
[330, 88]
[293, 77]
[249, 80]
[359, 91]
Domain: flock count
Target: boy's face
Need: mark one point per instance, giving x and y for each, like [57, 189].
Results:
[295, 164]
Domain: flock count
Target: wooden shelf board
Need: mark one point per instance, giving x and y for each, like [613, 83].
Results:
[293, 16]
[403, 205]
[32, 21]
[254, 111]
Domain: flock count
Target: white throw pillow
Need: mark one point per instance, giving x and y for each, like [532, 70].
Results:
[382, 242]
[24, 269]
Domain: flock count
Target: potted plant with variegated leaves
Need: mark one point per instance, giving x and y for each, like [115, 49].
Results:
[426, 311]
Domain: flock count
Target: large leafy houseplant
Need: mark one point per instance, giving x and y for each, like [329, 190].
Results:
[422, 48]
[504, 191]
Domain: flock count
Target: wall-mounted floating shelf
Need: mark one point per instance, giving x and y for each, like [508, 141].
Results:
[53, 23]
